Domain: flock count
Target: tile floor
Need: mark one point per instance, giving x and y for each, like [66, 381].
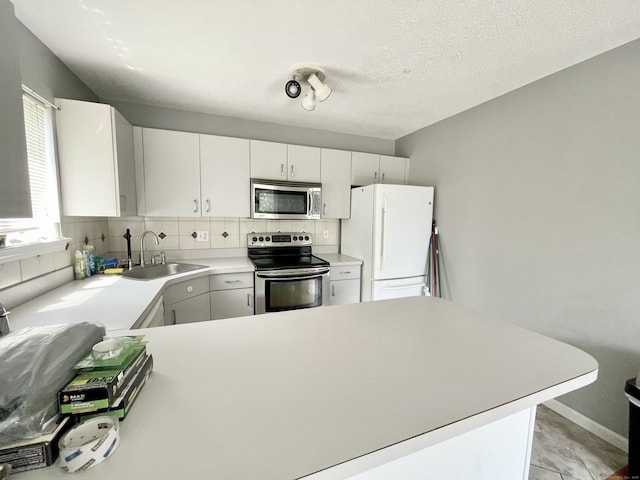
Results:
[563, 450]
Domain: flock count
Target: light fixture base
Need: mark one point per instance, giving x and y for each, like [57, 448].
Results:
[301, 72]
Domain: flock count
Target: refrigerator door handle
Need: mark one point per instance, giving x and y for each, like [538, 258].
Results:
[383, 233]
[401, 287]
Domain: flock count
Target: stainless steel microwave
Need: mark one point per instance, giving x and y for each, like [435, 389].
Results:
[285, 200]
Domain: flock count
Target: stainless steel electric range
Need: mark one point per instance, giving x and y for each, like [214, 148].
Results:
[287, 275]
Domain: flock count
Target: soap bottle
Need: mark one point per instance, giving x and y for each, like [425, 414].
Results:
[78, 266]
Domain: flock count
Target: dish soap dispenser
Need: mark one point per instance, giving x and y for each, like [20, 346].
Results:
[78, 265]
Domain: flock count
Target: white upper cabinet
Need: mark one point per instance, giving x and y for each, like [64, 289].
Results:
[171, 162]
[95, 154]
[279, 161]
[224, 170]
[369, 168]
[392, 170]
[364, 168]
[268, 160]
[303, 164]
[335, 170]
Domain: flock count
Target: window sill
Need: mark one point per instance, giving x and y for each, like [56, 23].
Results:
[19, 252]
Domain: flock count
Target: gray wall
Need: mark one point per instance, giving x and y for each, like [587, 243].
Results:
[538, 206]
[169, 119]
[44, 73]
[15, 201]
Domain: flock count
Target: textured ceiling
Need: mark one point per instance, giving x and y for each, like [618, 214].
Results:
[394, 66]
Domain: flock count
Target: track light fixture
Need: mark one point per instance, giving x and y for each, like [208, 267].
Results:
[292, 89]
[309, 100]
[312, 76]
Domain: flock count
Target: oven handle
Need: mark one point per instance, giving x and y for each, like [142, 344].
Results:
[297, 273]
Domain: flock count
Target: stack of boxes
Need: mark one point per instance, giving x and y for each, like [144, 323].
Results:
[101, 386]
[107, 386]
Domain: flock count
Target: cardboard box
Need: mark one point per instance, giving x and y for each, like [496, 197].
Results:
[38, 452]
[96, 391]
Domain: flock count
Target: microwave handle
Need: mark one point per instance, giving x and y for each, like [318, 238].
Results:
[309, 203]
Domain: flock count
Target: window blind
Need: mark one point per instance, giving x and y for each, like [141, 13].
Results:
[42, 175]
[35, 123]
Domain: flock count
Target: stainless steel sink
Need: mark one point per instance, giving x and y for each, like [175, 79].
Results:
[160, 270]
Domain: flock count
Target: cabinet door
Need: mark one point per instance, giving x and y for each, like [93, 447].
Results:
[126, 166]
[304, 164]
[268, 160]
[225, 173]
[231, 303]
[171, 173]
[196, 309]
[345, 291]
[364, 168]
[86, 158]
[392, 170]
[335, 170]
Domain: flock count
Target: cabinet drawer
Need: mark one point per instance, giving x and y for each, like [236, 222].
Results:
[345, 272]
[187, 289]
[231, 281]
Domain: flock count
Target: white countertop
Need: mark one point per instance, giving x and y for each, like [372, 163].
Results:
[336, 259]
[115, 301]
[328, 392]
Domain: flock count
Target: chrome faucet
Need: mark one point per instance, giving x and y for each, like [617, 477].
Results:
[4, 321]
[142, 245]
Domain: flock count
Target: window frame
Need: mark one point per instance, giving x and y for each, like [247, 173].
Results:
[49, 231]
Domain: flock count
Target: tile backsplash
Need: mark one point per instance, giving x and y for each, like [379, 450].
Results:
[176, 233]
[80, 229]
[185, 233]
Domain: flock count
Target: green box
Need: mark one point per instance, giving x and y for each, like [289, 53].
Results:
[96, 391]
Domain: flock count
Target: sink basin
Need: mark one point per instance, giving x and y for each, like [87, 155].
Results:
[158, 271]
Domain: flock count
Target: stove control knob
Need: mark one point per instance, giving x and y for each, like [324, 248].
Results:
[306, 237]
[261, 239]
[268, 239]
[295, 238]
[254, 239]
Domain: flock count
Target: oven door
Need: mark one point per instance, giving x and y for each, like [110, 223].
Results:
[293, 201]
[281, 290]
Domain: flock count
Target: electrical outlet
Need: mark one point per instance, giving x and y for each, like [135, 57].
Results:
[325, 233]
[202, 236]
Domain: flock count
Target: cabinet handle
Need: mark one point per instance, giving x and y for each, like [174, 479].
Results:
[249, 299]
[208, 204]
[195, 206]
[382, 178]
[375, 177]
[333, 290]
[292, 170]
[175, 319]
[232, 281]
[282, 169]
[190, 289]
[123, 203]
[324, 208]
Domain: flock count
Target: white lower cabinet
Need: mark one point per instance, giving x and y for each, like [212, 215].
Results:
[344, 284]
[187, 302]
[231, 295]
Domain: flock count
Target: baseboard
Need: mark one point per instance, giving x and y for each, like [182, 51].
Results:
[592, 426]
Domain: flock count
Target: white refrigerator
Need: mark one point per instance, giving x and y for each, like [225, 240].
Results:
[389, 230]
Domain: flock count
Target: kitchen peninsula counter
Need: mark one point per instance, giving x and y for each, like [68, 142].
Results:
[388, 389]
